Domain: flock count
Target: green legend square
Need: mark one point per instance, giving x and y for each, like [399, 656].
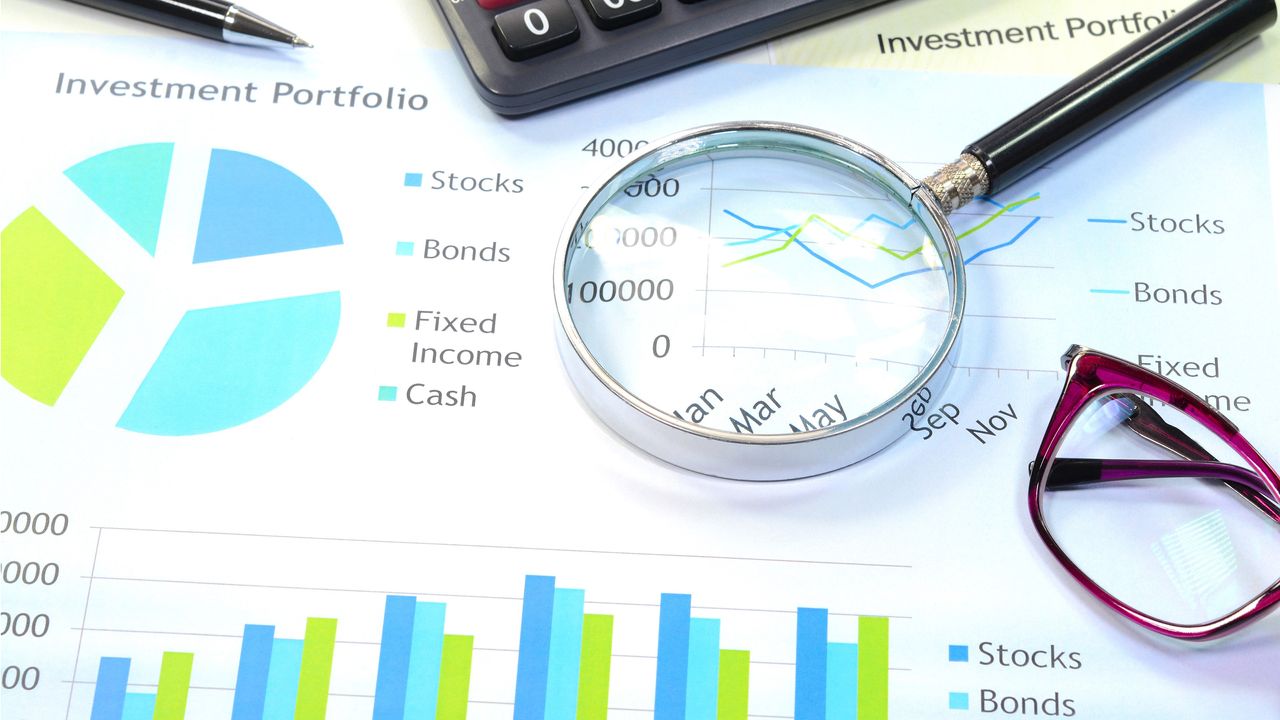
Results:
[395, 320]
[387, 393]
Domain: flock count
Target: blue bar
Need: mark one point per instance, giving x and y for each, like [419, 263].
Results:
[842, 681]
[109, 692]
[811, 664]
[139, 706]
[251, 678]
[703, 685]
[423, 683]
[282, 679]
[1110, 221]
[564, 657]
[535, 647]
[393, 658]
[673, 657]
[1105, 291]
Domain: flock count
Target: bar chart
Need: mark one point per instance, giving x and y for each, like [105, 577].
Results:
[547, 652]
[563, 668]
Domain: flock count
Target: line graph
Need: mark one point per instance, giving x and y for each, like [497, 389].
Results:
[793, 233]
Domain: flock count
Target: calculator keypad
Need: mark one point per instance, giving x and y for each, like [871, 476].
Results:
[613, 14]
[527, 55]
[535, 28]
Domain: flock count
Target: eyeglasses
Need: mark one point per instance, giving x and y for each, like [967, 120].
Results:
[1152, 500]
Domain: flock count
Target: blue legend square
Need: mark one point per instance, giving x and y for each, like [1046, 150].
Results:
[958, 653]
[404, 249]
[387, 393]
[413, 179]
[958, 701]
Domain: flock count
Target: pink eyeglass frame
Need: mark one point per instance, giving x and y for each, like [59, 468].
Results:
[1092, 374]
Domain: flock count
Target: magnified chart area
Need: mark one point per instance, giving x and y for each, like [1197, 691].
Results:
[760, 292]
[205, 338]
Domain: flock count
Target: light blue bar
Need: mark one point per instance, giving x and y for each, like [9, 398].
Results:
[842, 681]
[282, 679]
[535, 647]
[1104, 291]
[423, 688]
[109, 691]
[393, 658]
[673, 657]
[704, 669]
[1109, 221]
[251, 679]
[811, 664]
[565, 656]
[139, 706]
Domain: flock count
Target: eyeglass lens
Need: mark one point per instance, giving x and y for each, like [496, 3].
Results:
[1182, 549]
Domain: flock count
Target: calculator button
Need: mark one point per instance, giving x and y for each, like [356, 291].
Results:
[535, 28]
[612, 14]
[496, 4]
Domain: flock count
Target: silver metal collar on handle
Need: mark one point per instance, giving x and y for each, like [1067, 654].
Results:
[744, 456]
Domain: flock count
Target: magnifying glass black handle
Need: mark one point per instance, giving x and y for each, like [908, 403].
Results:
[1181, 46]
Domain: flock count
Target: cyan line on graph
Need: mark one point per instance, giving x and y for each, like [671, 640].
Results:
[873, 285]
[873, 217]
[1109, 221]
[1105, 291]
[773, 231]
[899, 276]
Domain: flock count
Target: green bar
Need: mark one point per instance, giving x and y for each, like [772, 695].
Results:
[593, 676]
[873, 668]
[735, 670]
[317, 666]
[175, 682]
[455, 678]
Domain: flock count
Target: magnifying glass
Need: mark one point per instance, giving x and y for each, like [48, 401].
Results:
[716, 341]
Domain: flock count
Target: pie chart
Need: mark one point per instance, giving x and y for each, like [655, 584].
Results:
[221, 364]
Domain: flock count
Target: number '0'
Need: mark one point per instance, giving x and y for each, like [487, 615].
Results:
[536, 21]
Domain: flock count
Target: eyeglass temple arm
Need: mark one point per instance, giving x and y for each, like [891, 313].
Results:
[1146, 422]
[1070, 473]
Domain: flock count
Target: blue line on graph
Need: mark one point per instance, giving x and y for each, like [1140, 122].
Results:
[1104, 291]
[984, 251]
[1109, 221]
[885, 220]
[774, 231]
[873, 285]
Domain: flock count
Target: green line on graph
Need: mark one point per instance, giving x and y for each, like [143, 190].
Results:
[899, 255]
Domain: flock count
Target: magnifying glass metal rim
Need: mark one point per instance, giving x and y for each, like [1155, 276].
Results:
[745, 456]
[1195, 37]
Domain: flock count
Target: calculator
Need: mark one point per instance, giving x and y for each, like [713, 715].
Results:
[528, 55]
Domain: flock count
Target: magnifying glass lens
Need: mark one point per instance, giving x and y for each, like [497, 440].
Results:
[760, 287]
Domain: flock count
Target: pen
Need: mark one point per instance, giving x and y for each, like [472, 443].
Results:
[213, 19]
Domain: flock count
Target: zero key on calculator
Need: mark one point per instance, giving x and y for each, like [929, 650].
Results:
[535, 28]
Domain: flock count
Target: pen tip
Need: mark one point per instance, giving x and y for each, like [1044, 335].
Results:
[299, 42]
